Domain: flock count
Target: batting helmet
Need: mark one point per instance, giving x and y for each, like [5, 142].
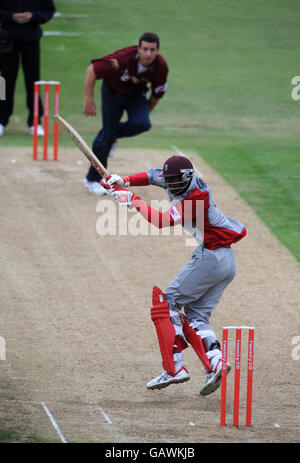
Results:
[181, 168]
[177, 165]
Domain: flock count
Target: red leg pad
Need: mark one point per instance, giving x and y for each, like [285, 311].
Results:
[165, 330]
[180, 344]
[196, 342]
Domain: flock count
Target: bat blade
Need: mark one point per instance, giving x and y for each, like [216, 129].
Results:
[81, 144]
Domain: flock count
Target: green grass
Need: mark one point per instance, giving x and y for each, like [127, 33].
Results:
[8, 435]
[12, 436]
[229, 95]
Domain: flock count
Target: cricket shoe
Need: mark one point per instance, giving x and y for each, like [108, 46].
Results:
[213, 379]
[40, 131]
[94, 187]
[113, 149]
[165, 379]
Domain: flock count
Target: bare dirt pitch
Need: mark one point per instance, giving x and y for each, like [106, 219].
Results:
[75, 315]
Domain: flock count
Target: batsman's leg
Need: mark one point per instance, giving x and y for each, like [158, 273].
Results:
[194, 338]
[198, 287]
[171, 343]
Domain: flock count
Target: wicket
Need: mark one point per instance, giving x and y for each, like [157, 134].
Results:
[237, 364]
[46, 84]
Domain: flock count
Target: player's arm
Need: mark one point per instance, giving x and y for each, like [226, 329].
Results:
[140, 179]
[159, 84]
[44, 14]
[157, 218]
[6, 16]
[99, 69]
[152, 102]
[90, 80]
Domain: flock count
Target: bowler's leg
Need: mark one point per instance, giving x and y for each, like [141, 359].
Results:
[138, 116]
[112, 110]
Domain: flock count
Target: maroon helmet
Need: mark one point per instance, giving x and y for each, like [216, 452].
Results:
[181, 168]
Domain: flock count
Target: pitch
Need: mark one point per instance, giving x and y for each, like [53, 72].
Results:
[75, 314]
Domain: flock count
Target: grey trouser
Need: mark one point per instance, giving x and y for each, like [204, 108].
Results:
[198, 288]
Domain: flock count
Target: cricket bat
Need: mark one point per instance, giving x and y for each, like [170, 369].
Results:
[81, 144]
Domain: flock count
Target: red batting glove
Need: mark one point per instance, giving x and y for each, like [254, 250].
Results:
[114, 181]
[124, 197]
[106, 185]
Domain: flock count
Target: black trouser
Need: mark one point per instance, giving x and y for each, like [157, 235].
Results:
[9, 67]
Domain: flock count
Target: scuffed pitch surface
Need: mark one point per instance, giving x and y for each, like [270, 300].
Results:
[75, 314]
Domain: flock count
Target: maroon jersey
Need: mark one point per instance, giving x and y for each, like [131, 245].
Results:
[120, 72]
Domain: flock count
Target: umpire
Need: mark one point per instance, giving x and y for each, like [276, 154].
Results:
[21, 19]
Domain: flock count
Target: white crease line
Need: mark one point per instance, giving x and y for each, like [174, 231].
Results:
[180, 153]
[91, 404]
[177, 150]
[105, 415]
[62, 438]
[59, 34]
[75, 16]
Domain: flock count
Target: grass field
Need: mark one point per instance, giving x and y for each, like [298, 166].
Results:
[229, 95]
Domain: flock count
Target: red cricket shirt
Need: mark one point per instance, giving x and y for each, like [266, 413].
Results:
[218, 229]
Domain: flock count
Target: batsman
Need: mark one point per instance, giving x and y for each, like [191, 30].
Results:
[181, 314]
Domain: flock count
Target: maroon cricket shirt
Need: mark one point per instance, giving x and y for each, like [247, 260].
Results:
[120, 72]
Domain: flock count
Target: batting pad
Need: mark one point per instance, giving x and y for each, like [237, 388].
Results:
[194, 338]
[165, 330]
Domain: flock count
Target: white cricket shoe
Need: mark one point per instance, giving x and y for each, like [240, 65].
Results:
[113, 149]
[40, 131]
[164, 380]
[94, 187]
[213, 379]
[1, 130]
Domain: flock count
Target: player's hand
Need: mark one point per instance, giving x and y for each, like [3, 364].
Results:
[111, 181]
[124, 197]
[22, 18]
[104, 182]
[89, 108]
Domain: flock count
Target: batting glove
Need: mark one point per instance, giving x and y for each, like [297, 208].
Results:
[109, 182]
[124, 197]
